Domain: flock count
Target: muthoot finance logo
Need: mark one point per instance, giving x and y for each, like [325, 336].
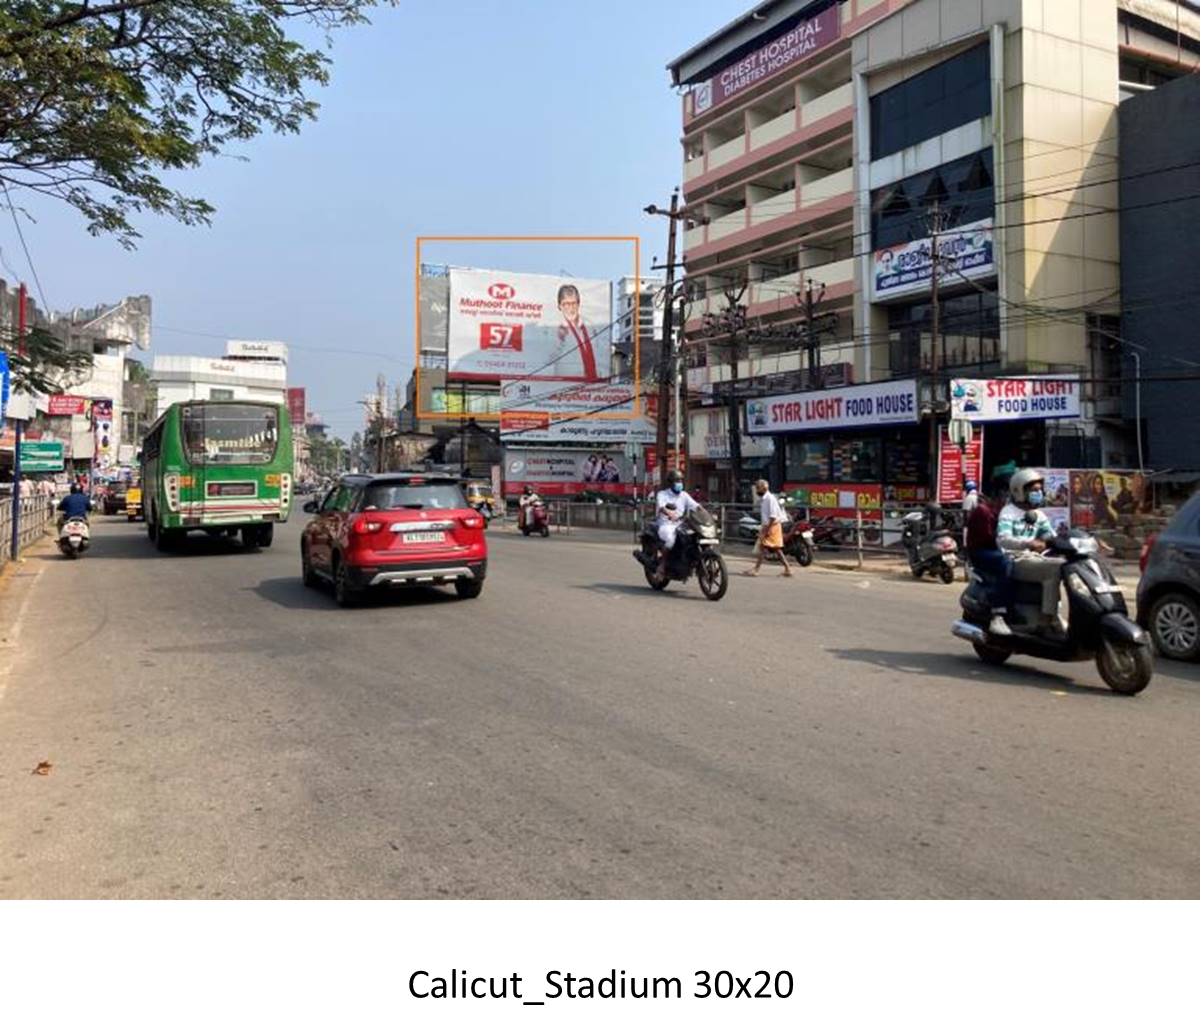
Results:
[502, 292]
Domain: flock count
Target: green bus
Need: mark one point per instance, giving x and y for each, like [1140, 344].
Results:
[218, 467]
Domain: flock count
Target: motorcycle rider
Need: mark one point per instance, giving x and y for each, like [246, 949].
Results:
[529, 498]
[672, 504]
[75, 505]
[1023, 529]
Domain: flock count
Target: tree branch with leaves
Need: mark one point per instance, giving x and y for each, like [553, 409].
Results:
[97, 102]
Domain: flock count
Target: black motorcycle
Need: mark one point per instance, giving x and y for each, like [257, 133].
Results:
[1098, 627]
[696, 552]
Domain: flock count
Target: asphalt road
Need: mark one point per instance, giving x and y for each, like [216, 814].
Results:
[216, 730]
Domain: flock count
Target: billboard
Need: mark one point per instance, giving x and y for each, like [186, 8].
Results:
[66, 405]
[795, 45]
[567, 411]
[906, 268]
[1013, 398]
[863, 405]
[102, 425]
[296, 406]
[275, 350]
[528, 325]
[956, 466]
[709, 437]
[567, 472]
[1103, 498]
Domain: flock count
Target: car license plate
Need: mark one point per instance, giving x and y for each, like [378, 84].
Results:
[423, 536]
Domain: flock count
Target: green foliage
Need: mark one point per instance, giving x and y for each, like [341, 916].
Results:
[97, 100]
[47, 366]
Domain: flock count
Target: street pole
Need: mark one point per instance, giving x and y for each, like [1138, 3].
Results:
[17, 429]
[935, 344]
[811, 330]
[667, 356]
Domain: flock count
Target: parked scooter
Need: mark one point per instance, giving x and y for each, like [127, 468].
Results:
[74, 538]
[1098, 626]
[533, 518]
[929, 548]
[697, 551]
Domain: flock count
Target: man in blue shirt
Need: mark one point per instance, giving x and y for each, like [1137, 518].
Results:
[74, 505]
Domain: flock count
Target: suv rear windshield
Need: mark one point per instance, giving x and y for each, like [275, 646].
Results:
[237, 432]
[402, 495]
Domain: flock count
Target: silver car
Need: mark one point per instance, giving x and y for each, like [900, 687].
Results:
[1167, 591]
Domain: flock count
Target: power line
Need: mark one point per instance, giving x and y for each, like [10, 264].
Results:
[24, 247]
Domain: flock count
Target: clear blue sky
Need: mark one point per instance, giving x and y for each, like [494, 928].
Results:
[456, 118]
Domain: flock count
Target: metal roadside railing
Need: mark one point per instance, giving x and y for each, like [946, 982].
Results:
[35, 514]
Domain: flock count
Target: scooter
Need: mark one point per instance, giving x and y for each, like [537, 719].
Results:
[697, 551]
[929, 549]
[74, 538]
[533, 518]
[1098, 628]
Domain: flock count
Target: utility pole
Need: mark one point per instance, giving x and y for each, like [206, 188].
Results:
[667, 359]
[18, 426]
[935, 227]
[812, 330]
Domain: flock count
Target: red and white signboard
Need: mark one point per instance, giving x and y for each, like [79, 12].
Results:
[529, 326]
[1016, 398]
[956, 466]
[296, 406]
[67, 405]
[862, 405]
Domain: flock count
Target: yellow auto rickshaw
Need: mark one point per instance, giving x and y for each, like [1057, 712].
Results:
[133, 503]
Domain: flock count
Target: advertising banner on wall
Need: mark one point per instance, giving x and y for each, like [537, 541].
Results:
[66, 405]
[567, 472]
[906, 268]
[510, 325]
[566, 411]
[796, 44]
[105, 454]
[296, 406]
[1101, 498]
[863, 405]
[709, 437]
[1004, 398]
[956, 466]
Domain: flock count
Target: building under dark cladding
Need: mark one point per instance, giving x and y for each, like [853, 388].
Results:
[1159, 233]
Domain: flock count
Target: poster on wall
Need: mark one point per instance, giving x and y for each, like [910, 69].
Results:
[568, 472]
[1057, 486]
[955, 466]
[906, 268]
[1102, 498]
[105, 454]
[529, 326]
[1015, 398]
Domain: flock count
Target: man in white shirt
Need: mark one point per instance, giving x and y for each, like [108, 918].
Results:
[771, 529]
[671, 505]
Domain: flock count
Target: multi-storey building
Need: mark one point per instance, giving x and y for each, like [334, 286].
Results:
[827, 144]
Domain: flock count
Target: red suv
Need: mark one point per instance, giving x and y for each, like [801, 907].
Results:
[393, 529]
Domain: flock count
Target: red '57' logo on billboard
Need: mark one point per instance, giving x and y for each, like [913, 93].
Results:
[502, 336]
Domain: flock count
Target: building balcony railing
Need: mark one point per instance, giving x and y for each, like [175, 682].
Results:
[774, 129]
[694, 167]
[772, 291]
[727, 152]
[727, 224]
[827, 104]
[773, 207]
[821, 190]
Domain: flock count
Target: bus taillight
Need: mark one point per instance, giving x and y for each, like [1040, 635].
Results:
[285, 491]
[171, 486]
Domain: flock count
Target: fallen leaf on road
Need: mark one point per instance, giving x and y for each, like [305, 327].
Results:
[42, 768]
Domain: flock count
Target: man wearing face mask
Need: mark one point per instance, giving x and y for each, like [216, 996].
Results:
[1024, 529]
[671, 505]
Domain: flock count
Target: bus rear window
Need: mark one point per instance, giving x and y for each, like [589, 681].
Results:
[234, 433]
[397, 495]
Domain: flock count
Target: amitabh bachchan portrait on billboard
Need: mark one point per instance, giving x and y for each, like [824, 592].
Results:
[529, 326]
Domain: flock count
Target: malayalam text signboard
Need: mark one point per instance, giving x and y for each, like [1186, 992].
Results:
[1015, 398]
[785, 50]
[863, 405]
[67, 405]
[567, 472]
[570, 412]
[296, 406]
[529, 326]
[957, 465]
[906, 268]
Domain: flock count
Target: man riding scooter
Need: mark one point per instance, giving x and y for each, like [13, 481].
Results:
[672, 503]
[1024, 530]
[527, 511]
[74, 506]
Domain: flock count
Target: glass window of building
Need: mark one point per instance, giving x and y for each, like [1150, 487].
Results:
[968, 325]
[807, 460]
[963, 190]
[856, 459]
[930, 103]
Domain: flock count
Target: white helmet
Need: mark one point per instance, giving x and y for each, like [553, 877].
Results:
[1021, 482]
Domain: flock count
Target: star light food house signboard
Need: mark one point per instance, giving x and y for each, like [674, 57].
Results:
[528, 326]
[1015, 398]
[863, 405]
[796, 44]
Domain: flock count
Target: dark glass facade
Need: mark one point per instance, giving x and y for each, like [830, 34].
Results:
[968, 326]
[930, 103]
[963, 189]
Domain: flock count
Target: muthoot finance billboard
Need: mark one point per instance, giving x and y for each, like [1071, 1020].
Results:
[528, 326]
